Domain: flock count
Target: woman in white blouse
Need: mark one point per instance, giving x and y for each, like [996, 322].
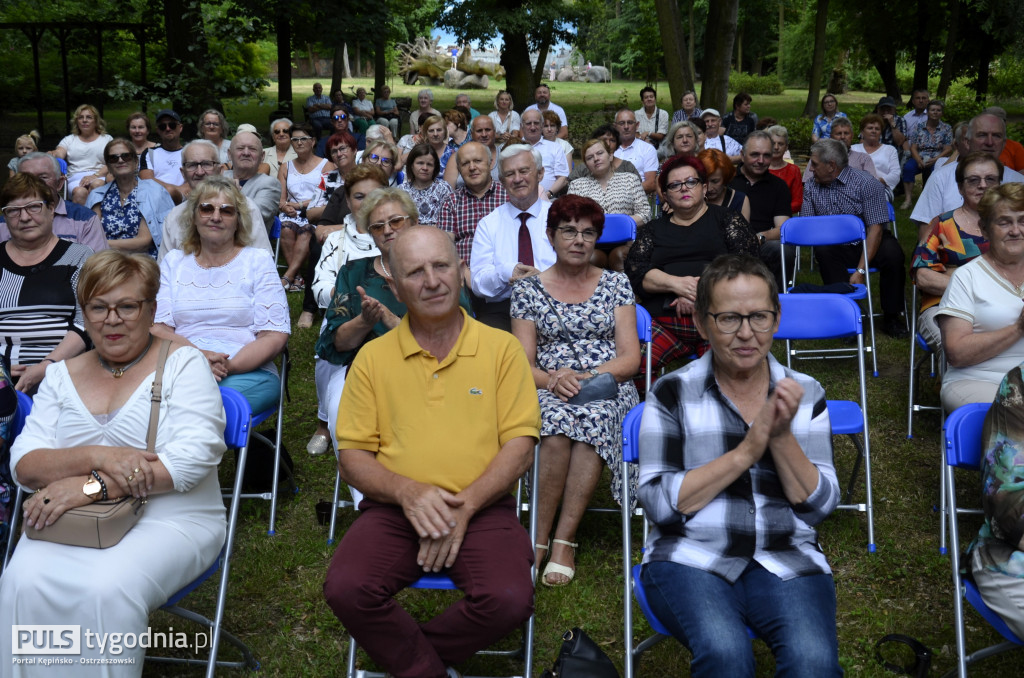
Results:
[616, 193]
[223, 297]
[885, 157]
[507, 123]
[83, 151]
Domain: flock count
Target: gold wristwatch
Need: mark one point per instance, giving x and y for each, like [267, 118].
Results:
[92, 488]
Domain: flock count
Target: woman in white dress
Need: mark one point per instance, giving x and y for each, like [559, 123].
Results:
[507, 123]
[83, 151]
[88, 424]
[222, 296]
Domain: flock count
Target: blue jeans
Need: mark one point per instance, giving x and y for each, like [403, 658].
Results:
[796, 618]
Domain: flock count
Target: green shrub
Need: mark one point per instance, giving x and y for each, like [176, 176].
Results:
[1007, 78]
[755, 84]
[799, 133]
[960, 103]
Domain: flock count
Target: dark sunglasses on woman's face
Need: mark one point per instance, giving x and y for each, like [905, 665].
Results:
[208, 208]
[119, 157]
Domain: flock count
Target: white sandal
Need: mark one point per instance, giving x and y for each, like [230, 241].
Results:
[555, 568]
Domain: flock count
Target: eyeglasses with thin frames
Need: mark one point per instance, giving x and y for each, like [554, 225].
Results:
[394, 223]
[205, 164]
[569, 234]
[380, 160]
[31, 208]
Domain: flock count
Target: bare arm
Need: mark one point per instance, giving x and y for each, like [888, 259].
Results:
[874, 237]
[965, 347]
[29, 376]
[139, 243]
[267, 345]
[931, 281]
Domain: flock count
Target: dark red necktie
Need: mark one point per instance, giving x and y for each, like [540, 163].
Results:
[525, 244]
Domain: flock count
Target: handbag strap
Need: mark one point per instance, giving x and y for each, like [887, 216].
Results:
[558, 316]
[157, 395]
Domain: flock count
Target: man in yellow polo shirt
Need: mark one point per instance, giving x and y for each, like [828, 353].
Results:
[437, 420]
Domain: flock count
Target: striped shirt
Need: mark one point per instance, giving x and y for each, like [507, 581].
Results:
[462, 211]
[688, 422]
[37, 303]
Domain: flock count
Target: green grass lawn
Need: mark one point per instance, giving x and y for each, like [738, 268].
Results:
[275, 601]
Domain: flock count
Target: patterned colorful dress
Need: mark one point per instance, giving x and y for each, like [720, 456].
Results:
[592, 327]
[945, 247]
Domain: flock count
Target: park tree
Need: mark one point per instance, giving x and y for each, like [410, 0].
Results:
[676, 48]
[719, 38]
[525, 26]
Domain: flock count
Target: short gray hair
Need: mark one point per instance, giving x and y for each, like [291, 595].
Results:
[427, 92]
[778, 131]
[975, 119]
[284, 120]
[35, 155]
[201, 143]
[757, 134]
[512, 150]
[831, 150]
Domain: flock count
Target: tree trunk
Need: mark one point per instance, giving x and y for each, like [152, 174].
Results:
[358, 61]
[337, 69]
[952, 33]
[818, 62]
[312, 62]
[689, 45]
[885, 64]
[542, 57]
[715, 92]
[923, 44]
[984, 59]
[782, 28]
[283, 28]
[515, 57]
[345, 68]
[678, 68]
[739, 50]
[380, 63]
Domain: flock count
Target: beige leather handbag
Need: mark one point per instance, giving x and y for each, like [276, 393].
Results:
[102, 524]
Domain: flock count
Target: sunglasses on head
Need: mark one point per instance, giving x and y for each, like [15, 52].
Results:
[208, 208]
[119, 157]
[164, 126]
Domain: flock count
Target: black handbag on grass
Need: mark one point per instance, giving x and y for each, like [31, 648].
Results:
[581, 657]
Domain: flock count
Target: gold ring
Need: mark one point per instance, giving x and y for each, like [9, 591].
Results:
[136, 470]
[130, 478]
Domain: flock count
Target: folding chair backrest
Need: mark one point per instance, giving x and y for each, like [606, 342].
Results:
[24, 408]
[818, 316]
[826, 230]
[645, 334]
[238, 413]
[618, 229]
[963, 436]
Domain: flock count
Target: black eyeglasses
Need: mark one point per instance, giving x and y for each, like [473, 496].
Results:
[164, 126]
[380, 160]
[208, 208]
[119, 157]
[677, 186]
[730, 323]
[205, 164]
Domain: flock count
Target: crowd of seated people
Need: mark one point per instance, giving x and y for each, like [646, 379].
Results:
[426, 244]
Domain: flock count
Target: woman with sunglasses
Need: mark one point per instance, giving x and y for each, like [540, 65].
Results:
[670, 254]
[282, 151]
[222, 296]
[132, 210]
[40, 321]
[299, 179]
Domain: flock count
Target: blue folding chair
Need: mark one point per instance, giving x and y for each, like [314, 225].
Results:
[833, 316]
[258, 419]
[917, 342]
[632, 584]
[831, 230]
[275, 235]
[962, 436]
[618, 230]
[18, 423]
[441, 582]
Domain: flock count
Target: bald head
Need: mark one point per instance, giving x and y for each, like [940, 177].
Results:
[427, 278]
[482, 129]
[474, 163]
[245, 154]
[199, 159]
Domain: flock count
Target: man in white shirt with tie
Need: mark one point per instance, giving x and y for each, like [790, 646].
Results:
[511, 242]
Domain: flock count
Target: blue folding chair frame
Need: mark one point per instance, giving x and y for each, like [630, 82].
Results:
[963, 443]
[17, 423]
[240, 422]
[831, 230]
[618, 230]
[442, 582]
[833, 316]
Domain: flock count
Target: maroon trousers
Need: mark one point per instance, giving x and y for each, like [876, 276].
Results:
[377, 558]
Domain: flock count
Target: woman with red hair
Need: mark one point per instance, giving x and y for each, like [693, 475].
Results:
[670, 254]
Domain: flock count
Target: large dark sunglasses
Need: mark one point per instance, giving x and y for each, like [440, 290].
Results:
[164, 126]
[119, 157]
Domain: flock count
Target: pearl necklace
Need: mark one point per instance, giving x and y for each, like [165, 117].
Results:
[118, 372]
[383, 267]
